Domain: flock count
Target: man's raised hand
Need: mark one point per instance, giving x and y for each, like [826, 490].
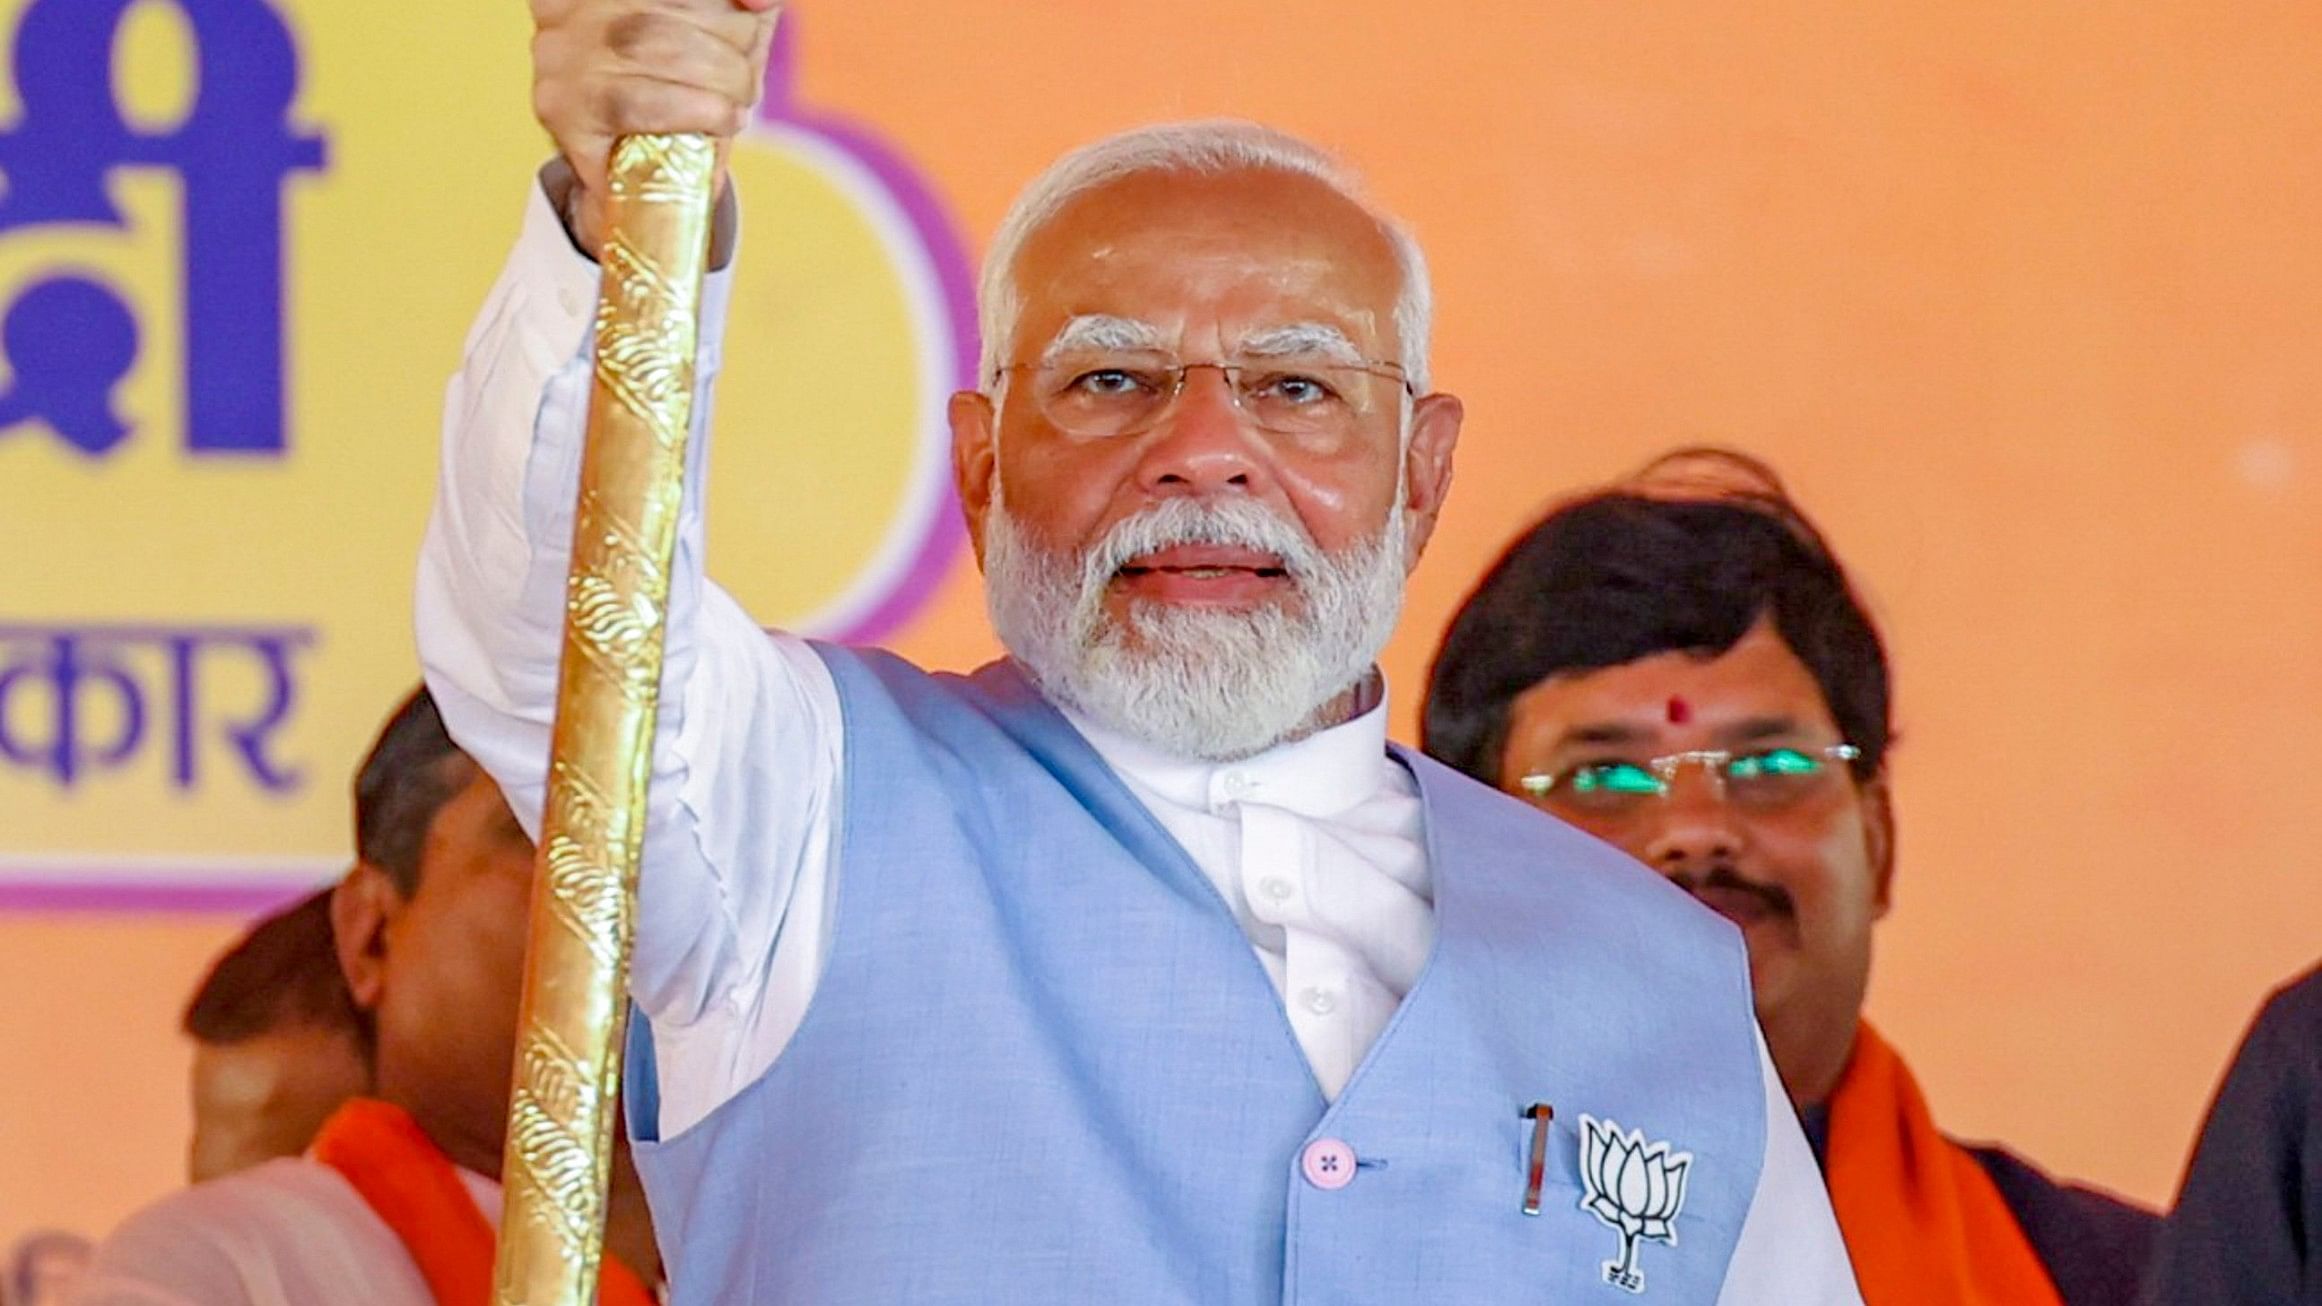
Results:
[602, 69]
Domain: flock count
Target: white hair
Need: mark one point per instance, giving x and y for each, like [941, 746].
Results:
[1212, 147]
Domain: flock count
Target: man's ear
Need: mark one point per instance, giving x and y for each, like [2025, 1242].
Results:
[975, 460]
[1878, 836]
[362, 907]
[1435, 421]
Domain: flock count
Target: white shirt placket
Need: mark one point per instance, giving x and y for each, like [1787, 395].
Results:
[1281, 881]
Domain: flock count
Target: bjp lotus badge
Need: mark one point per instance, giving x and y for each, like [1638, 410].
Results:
[1635, 1187]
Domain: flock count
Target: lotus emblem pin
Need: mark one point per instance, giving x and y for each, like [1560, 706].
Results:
[1634, 1186]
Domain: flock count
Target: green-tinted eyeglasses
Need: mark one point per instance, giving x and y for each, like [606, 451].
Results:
[1764, 779]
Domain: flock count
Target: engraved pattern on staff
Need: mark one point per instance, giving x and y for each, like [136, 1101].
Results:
[644, 358]
[611, 627]
[552, 1091]
[580, 866]
[574, 1012]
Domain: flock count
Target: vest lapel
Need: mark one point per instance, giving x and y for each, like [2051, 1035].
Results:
[1033, 722]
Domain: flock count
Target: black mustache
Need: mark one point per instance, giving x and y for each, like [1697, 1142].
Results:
[1775, 897]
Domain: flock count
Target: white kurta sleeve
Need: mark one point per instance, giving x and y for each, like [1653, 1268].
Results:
[1790, 1253]
[746, 757]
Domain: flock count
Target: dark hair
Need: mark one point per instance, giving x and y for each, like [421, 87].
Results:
[282, 974]
[1627, 573]
[407, 776]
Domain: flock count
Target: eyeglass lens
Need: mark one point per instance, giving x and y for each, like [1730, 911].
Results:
[1113, 395]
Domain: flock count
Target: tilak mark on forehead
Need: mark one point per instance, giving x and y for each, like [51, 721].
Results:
[1679, 711]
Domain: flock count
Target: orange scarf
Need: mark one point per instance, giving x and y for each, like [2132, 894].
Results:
[1922, 1221]
[412, 1186]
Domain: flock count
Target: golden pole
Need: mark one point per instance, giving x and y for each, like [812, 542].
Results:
[575, 1008]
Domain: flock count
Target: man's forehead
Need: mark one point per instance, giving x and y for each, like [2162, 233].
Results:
[1210, 239]
[1753, 688]
[1280, 210]
[1214, 270]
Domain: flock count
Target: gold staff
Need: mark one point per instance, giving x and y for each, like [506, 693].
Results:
[575, 1007]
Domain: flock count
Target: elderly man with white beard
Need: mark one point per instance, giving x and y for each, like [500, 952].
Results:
[1138, 966]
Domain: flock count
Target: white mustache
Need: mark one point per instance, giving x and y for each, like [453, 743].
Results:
[1193, 682]
[1230, 523]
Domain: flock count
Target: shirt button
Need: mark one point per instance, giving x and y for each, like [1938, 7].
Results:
[1327, 1164]
[1277, 888]
[1238, 785]
[1321, 1001]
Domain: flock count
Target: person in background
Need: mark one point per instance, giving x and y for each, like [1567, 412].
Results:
[43, 1267]
[278, 1043]
[399, 1192]
[2247, 1228]
[1679, 665]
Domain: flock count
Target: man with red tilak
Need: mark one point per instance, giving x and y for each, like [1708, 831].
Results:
[1678, 665]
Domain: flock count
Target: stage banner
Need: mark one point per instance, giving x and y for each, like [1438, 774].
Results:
[239, 244]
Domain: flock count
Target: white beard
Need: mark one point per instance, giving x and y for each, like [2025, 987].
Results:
[1195, 682]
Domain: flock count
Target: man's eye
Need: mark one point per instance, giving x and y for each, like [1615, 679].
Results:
[1293, 388]
[1773, 763]
[1614, 778]
[1107, 383]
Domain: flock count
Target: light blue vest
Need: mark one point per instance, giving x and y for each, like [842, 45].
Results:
[1044, 1065]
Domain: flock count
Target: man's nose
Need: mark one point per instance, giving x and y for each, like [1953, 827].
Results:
[1693, 826]
[1205, 445]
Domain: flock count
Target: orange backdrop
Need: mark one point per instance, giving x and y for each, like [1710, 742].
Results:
[2024, 298]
